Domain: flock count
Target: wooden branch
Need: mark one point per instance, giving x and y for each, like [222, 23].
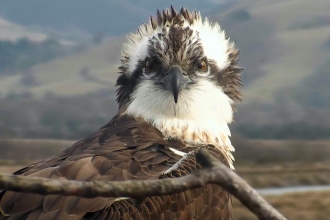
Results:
[235, 185]
[213, 172]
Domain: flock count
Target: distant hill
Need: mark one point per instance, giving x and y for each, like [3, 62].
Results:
[285, 50]
[89, 71]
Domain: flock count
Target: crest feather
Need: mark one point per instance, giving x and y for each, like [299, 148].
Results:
[137, 46]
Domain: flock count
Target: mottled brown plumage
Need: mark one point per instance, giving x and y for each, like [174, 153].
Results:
[228, 78]
[151, 133]
[124, 149]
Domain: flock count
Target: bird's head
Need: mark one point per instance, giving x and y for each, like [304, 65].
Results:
[180, 73]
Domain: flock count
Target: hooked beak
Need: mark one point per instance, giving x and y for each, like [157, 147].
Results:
[175, 81]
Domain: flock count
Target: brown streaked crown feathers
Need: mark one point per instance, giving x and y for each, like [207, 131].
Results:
[229, 78]
[140, 146]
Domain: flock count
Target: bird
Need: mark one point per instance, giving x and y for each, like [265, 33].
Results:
[177, 89]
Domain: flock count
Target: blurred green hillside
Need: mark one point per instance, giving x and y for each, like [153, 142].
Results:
[285, 50]
[89, 71]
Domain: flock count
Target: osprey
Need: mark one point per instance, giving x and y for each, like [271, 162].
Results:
[178, 85]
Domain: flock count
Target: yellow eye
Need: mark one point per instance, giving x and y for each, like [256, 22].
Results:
[150, 67]
[202, 66]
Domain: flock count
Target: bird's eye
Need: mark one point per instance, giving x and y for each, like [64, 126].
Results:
[150, 67]
[202, 66]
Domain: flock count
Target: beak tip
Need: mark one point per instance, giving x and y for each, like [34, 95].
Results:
[176, 81]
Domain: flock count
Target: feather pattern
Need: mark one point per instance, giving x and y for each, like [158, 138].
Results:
[138, 151]
[151, 137]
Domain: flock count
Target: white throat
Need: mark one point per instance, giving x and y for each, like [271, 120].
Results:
[201, 115]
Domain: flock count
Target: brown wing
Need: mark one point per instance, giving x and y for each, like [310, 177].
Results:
[210, 202]
[124, 149]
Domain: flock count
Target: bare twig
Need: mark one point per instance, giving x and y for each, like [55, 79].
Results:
[213, 172]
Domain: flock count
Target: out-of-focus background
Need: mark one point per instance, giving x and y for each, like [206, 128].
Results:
[58, 66]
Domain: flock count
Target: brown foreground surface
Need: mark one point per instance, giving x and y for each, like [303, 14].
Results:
[295, 175]
[262, 163]
[294, 206]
